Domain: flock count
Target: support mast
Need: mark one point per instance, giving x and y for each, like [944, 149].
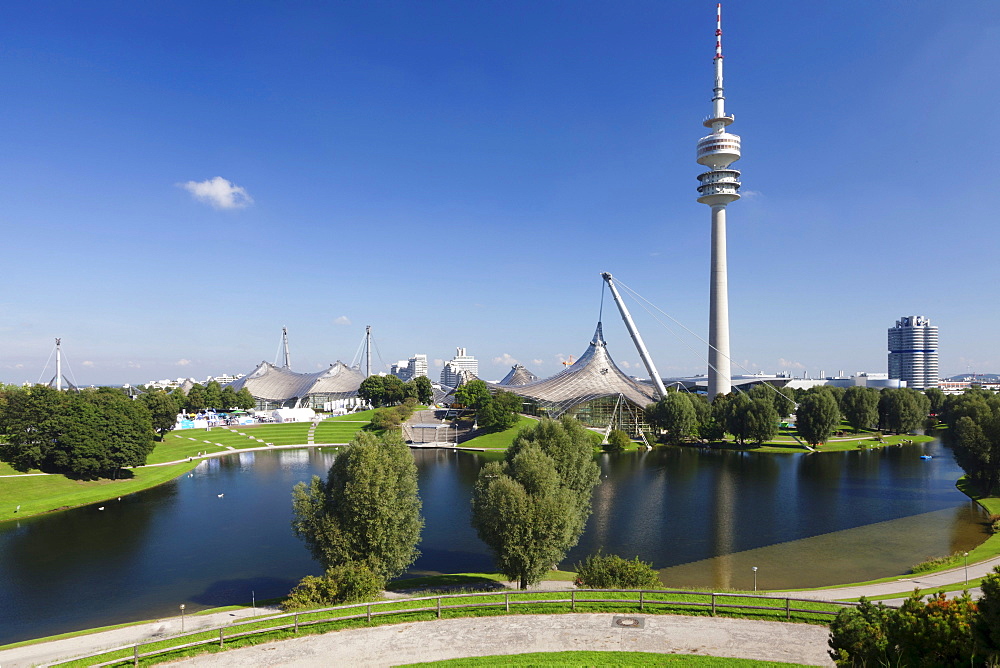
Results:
[368, 350]
[284, 340]
[58, 365]
[636, 338]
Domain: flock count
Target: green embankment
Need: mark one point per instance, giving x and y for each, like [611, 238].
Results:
[500, 439]
[46, 493]
[37, 494]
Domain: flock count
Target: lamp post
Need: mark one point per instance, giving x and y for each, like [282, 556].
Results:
[754, 569]
[182, 617]
[966, 569]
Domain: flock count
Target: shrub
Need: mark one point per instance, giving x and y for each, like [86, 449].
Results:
[609, 571]
[350, 583]
[617, 441]
[936, 564]
[859, 636]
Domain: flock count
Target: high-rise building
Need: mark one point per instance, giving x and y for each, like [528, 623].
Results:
[719, 186]
[459, 363]
[417, 365]
[913, 354]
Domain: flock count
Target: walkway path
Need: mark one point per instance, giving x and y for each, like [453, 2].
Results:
[518, 634]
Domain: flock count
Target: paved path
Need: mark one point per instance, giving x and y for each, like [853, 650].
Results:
[953, 579]
[54, 650]
[517, 634]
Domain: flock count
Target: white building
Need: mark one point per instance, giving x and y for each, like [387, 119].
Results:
[913, 354]
[459, 363]
[409, 369]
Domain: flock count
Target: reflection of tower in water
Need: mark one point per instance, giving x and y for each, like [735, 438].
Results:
[723, 523]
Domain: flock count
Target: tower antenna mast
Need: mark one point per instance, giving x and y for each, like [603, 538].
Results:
[718, 187]
[58, 365]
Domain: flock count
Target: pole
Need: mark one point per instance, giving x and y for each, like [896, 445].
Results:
[368, 350]
[58, 364]
[654, 376]
[182, 618]
[966, 569]
[284, 339]
[754, 578]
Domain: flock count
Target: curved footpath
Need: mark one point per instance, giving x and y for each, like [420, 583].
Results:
[518, 634]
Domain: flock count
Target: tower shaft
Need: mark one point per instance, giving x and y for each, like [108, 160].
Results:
[719, 374]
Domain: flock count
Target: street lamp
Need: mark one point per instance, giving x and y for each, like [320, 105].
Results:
[182, 617]
[966, 569]
[754, 569]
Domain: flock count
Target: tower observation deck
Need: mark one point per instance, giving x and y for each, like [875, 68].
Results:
[718, 187]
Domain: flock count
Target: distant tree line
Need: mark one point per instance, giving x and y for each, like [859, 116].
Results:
[973, 420]
[755, 416]
[495, 411]
[391, 391]
[212, 396]
[90, 434]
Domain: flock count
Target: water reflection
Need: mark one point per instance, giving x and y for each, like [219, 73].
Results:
[703, 517]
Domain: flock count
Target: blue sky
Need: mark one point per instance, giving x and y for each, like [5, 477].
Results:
[459, 174]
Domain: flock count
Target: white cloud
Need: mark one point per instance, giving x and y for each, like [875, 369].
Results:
[133, 365]
[438, 362]
[505, 360]
[788, 364]
[182, 362]
[751, 194]
[219, 192]
[88, 363]
[537, 362]
[342, 320]
[626, 364]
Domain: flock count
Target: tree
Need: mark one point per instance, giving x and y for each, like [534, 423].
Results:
[618, 440]
[499, 412]
[245, 400]
[163, 411]
[228, 398]
[179, 397]
[196, 399]
[213, 395]
[609, 571]
[761, 421]
[532, 507]
[934, 633]
[472, 394]
[976, 444]
[394, 390]
[372, 390]
[986, 627]
[31, 422]
[783, 405]
[367, 511]
[936, 397]
[424, 389]
[817, 417]
[860, 407]
[859, 635]
[902, 410]
[674, 414]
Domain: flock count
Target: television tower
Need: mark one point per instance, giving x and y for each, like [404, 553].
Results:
[719, 187]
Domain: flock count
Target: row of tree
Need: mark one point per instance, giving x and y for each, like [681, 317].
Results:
[973, 419]
[755, 416]
[89, 434]
[212, 396]
[390, 390]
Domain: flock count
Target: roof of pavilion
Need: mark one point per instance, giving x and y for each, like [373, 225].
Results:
[275, 383]
[593, 376]
[518, 375]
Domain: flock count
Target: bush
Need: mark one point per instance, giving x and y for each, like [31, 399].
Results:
[600, 571]
[350, 583]
[936, 564]
[617, 441]
[859, 636]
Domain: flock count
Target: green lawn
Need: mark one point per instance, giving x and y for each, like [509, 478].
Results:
[580, 658]
[337, 432]
[43, 494]
[500, 439]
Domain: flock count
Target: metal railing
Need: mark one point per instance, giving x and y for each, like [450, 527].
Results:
[713, 603]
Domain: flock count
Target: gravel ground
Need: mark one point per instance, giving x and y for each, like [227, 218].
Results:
[517, 634]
